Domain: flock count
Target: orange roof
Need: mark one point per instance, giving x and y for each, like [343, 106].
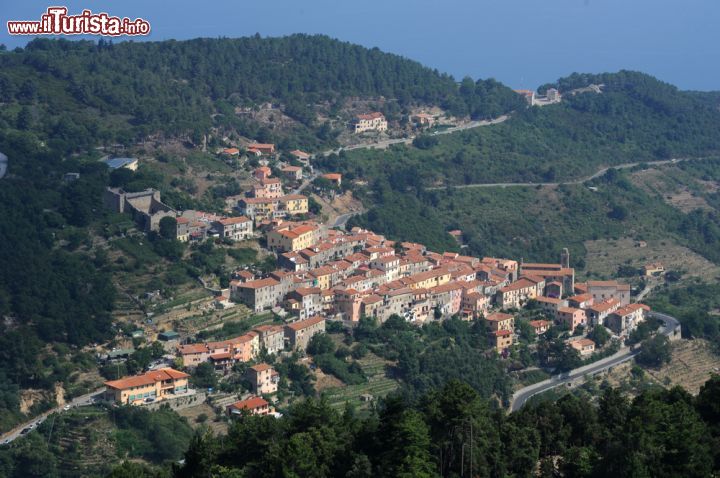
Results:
[299, 154]
[604, 305]
[190, 349]
[629, 309]
[517, 285]
[222, 344]
[233, 220]
[322, 271]
[148, 378]
[580, 343]
[540, 265]
[297, 231]
[290, 197]
[502, 333]
[581, 297]
[498, 317]
[268, 328]
[332, 176]
[568, 310]
[539, 323]
[371, 299]
[260, 283]
[220, 356]
[447, 287]
[231, 151]
[303, 324]
[250, 404]
[267, 181]
[261, 146]
[261, 367]
[291, 169]
[303, 291]
[371, 116]
[608, 283]
[548, 300]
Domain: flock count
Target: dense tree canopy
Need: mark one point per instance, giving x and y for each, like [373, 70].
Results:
[453, 432]
[175, 87]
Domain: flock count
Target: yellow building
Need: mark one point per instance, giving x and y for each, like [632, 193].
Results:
[370, 122]
[502, 340]
[292, 237]
[295, 204]
[323, 275]
[500, 321]
[430, 279]
[152, 386]
[271, 208]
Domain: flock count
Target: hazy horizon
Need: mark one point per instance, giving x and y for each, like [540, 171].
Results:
[515, 42]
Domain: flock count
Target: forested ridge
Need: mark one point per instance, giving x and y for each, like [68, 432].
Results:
[635, 118]
[79, 93]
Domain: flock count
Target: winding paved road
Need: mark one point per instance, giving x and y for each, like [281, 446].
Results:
[595, 175]
[670, 327]
[16, 432]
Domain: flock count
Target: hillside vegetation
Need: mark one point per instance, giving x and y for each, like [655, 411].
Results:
[636, 118]
[61, 99]
[451, 431]
[80, 93]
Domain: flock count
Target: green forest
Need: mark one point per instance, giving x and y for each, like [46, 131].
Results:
[636, 118]
[452, 432]
[61, 99]
[78, 94]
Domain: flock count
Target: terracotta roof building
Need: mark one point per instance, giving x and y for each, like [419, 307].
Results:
[155, 385]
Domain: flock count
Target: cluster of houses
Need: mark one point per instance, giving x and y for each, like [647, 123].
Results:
[346, 275]
[327, 274]
[273, 339]
[266, 201]
[167, 383]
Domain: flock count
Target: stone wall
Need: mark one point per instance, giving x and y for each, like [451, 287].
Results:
[180, 402]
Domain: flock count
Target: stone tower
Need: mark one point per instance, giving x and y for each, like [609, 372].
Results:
[565, 258]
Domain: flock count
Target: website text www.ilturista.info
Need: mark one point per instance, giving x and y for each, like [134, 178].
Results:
[56, 21]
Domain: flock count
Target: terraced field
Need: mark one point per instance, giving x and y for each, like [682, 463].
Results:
[378, 384]
[693, 363]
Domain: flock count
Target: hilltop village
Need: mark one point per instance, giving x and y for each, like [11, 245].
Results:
[327, 275]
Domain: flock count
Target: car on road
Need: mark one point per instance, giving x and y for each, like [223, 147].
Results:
[26, 430]
[6, 441]
[67, 407]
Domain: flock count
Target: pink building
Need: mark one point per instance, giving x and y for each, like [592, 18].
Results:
[348, 303]
[572, 317]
